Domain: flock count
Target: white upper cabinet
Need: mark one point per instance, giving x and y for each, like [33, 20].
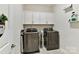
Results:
[31, 17]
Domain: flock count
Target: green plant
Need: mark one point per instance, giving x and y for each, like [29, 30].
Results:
[3, 18]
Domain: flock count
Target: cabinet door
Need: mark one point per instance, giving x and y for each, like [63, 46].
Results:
[43, 18]
[28, 17]
[50, 18]
[36, 18]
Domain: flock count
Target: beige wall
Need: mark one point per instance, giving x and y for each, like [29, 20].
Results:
[38, 7]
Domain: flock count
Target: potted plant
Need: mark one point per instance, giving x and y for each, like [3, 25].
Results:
[3, 18]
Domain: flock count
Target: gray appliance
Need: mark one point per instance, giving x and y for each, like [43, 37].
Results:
[51, 39]
[30, 41]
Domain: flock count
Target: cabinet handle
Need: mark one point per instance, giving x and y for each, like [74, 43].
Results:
[13, 45]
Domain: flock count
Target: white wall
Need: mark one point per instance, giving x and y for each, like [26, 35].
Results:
[38, 7]
[4, 9]
[69, 37]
